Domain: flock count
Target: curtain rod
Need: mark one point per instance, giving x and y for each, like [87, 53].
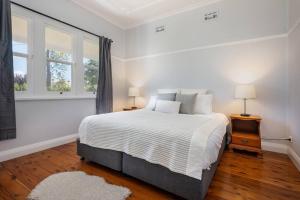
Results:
[54, 19]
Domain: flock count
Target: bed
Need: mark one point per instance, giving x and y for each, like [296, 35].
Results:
[175, 152]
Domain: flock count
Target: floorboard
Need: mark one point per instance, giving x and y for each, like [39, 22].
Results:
[239, 176]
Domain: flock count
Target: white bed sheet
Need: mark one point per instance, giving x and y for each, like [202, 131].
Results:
[212, 148]
[185, 144]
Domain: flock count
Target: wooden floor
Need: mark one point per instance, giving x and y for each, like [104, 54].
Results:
[239, 176]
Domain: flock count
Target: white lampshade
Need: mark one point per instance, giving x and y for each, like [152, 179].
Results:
[245, 92]
[133, 92]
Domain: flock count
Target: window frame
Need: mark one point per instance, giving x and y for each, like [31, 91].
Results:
[96, 40]
[67, 30]
[29, 55]
[37, 58]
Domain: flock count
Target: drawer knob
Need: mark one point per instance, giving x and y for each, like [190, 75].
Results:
[244, 141]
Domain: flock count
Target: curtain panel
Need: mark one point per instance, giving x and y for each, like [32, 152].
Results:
[104, 96]
[7, 99]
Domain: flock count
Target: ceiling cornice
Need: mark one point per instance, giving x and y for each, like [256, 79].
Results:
[165, 15]
[119, 25]
[174, 12]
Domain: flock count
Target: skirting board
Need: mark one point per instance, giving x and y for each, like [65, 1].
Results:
[294, 157]
[32, 148]
[284, 149]
[275, 147]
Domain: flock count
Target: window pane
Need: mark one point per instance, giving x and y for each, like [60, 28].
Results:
[19, 33]
[59, 77]
[20, 73]
[91, 64]
[20, 47]
[91, 71]
[91, 49]
[59, 44]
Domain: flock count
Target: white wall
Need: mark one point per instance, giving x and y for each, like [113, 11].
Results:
[239, 20]
[40, 120]
[294, 75]
[194, 54]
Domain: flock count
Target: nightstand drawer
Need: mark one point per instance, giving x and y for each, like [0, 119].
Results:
[247, 141]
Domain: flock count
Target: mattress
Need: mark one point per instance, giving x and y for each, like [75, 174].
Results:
[184, 144]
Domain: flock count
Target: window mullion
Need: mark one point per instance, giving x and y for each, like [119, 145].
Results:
[79, 69]
[60, 61]
[40, 76]
[24, 55]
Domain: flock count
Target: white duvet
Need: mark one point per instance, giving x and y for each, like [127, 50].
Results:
[185, 144]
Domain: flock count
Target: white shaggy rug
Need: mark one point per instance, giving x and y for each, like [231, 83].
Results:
[77, 186]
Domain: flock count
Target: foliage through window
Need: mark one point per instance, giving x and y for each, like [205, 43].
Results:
[91, 65]
[20, 73]
[59, 60]
[20, 52]
[91, 73]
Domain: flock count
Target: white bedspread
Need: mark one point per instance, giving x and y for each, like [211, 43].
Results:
[185, 144]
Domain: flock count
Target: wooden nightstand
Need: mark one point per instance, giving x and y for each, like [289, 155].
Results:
[245, 133]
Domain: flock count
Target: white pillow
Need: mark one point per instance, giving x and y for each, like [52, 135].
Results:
[203, 104]
[152, 102]
[167, 91]
[193, 91]
[167, 106]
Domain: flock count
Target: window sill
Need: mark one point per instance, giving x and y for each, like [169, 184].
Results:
[50, 98]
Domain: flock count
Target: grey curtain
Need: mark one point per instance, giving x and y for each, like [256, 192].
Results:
[7, 99]
[104, 97]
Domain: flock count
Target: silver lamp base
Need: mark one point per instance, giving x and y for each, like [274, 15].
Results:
[245, 109]
[245, 115]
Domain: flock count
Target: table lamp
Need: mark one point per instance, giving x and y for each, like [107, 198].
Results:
[245, 92]
[133, 92]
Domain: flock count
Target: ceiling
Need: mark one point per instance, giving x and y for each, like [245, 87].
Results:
[130, 13]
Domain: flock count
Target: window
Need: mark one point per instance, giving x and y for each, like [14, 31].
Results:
[20, 52]
[52, 60]
[91, 65]
[59, 60]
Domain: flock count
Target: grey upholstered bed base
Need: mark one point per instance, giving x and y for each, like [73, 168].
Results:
[178, 184]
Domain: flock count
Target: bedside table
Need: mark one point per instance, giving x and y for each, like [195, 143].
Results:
[245, 134]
